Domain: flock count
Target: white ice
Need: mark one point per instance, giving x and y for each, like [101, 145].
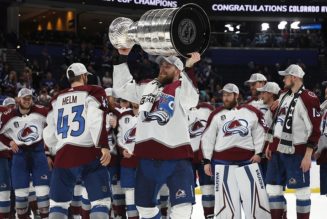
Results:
[318, 207]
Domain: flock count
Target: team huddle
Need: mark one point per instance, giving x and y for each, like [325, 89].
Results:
[138, 150]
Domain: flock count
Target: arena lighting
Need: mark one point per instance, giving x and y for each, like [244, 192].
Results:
[295, 25]
[238, 26]
[84, 28]
[228, 25]
[231, 29]
[282, 25]
[237, 32]
[264, 26]
[100, 22]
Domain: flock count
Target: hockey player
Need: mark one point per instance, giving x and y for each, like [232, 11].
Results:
[126, 142]
[295, 133]
[9, 102]
[162, 138]
[321, 153]
[269, 94]
[198, 117]
[77, 129]
[24, 126]
[231, 144]
[256, 81]
[118, 197]
[5, 178]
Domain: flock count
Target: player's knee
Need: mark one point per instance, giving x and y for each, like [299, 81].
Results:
[148, 212]
[164, 191]
[274, 190]
[303, 193]
[84, 193]
[78, 190]
[207, 190]
[22, 192]
[4, 196]
[129, 196]
[42, 191]
[181, 211]
[102, 202]
[63, 205]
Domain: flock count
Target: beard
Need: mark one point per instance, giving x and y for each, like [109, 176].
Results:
[166, 79]
[230, 105]
[23, 107]
[289, 86]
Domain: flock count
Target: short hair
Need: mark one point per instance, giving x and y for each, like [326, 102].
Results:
[72, 78]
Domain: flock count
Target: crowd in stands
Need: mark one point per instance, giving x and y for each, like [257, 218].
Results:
[46, 75]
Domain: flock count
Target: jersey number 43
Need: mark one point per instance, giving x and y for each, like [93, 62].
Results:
[63, 125]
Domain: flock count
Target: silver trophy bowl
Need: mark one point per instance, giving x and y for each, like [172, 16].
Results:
[168, 31]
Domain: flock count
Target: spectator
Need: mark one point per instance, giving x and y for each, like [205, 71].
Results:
[10, 84]
[43, 97]
[106, 80]
[49, 82]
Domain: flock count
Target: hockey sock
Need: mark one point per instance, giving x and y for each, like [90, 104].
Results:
[22, 207]
[303, 208]
[132, 212]
[76, 203]
[4, 204]
[58, 213]
[86, 207]
[277, 206]
[303, 203]
[118, 201]
[99, 212]
[208, 200]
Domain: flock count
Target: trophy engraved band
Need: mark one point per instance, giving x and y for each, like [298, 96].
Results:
[168, 31]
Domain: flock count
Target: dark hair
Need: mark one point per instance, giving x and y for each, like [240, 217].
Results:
[72, 78]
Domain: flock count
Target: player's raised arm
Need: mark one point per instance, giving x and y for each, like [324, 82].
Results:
[189, 90]
[123, 83]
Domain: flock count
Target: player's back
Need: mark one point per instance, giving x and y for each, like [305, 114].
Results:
[70, 109]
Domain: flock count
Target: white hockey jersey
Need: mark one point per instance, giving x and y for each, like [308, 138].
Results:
[306, 121]
[77, 125]
[233, 135]
[258, 104]
[164, 134]
[127, 130]
[4, 141]
[25, 130]
[198, 118]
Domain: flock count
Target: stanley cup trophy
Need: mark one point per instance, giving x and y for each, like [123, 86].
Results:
[168, 31]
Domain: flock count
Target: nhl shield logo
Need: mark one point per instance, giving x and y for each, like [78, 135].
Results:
[16, 124]
[223, 117]
[126, 120]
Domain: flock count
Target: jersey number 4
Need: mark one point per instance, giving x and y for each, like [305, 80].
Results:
[62, 123]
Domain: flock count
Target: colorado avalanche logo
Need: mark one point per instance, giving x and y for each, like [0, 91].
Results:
[281, 115]
[164, 111]
[129, 136]
[235, 127]
[197, 128]
[28, 134]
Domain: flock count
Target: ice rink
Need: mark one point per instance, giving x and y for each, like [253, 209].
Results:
[318, 208]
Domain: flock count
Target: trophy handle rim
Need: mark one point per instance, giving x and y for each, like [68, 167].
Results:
[206, 18]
